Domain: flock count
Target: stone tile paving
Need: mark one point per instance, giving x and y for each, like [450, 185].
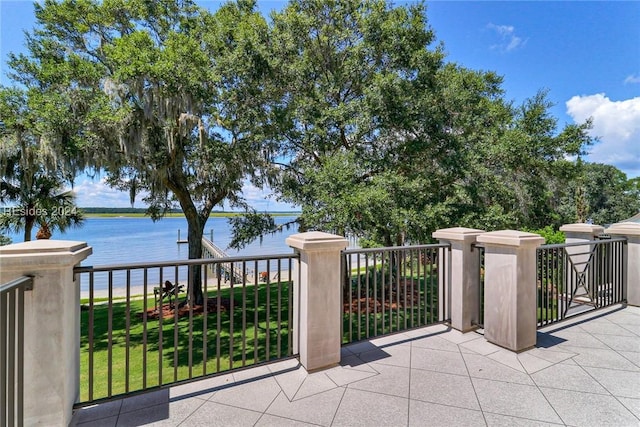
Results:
[583, 372]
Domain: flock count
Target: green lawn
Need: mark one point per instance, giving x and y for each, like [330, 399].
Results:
[133, 365]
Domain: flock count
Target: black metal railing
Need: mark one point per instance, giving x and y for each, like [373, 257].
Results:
[143, 325]
[392, 289]
[12, 296]
[479, 250]
[578, 277]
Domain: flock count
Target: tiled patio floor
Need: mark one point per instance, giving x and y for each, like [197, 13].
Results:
[584, 372]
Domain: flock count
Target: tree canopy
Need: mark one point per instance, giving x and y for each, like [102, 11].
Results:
[32, 177]
[347, 109]
[157, 94]
[380, 138]
[609, 196]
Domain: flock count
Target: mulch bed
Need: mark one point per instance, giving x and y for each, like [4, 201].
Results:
[390, 302]
[168, 311]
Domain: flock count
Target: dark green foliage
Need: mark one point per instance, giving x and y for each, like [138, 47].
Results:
[32, 175]
[375, 136]
[161, 95]
[610, 196]
[346, 109]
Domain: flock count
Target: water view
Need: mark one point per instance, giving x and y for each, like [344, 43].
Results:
[126, 240]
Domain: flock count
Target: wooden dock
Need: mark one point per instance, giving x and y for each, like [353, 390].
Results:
[211, 250]
[181, 241]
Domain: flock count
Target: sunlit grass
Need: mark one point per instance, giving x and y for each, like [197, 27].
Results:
[123, 362]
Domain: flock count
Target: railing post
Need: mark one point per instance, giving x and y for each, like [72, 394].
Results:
[510, 314]
[52, 326]
[318, 306]
[631, 269]
[464, 280]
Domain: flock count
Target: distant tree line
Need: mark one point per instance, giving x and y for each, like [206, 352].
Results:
[346, 109]
[122, 210]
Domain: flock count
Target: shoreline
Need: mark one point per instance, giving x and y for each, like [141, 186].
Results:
[137, 291]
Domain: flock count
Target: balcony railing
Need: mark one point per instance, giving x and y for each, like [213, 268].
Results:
[391, 289]
[142, 326]
[12, 297]
[578, 277]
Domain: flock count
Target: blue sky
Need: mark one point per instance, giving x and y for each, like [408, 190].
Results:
[586, 54]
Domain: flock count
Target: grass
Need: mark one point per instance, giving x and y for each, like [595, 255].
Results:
[122, 362]
[548, 314]
[85, 301]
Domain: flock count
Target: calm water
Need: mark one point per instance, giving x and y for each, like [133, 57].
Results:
[130, 240]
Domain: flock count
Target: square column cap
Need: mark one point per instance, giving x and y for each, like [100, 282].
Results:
[42, 246]
[43, 254]
[317, 241]
[511, 238]
[624, 229]
[582, 228]
[457, 233]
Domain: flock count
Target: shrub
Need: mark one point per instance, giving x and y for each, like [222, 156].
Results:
[551, 236]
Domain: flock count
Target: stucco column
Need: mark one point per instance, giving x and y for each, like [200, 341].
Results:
[318, 307]
[52, 326]
[510, 316]
[463, 277]
[577, 233]
[630, 230]
[581, 232]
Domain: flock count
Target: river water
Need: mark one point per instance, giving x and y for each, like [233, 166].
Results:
[126, 240]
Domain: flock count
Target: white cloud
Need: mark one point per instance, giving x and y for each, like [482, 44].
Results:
[633, 78]
[509, 41]
[96, 193]
[616, 124]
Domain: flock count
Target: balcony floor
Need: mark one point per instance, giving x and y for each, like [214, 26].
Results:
[583, 372]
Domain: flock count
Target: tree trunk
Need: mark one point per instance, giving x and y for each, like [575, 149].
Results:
[176, 182]
[28, 228]
[195, 231]
[387, 239]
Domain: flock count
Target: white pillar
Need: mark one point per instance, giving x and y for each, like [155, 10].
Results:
[52, 326]
[630, 230]
[510, 315]
[318, 307]
[463, 277]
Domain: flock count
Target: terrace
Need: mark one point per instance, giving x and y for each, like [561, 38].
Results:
[583, 372]
[428, 335]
